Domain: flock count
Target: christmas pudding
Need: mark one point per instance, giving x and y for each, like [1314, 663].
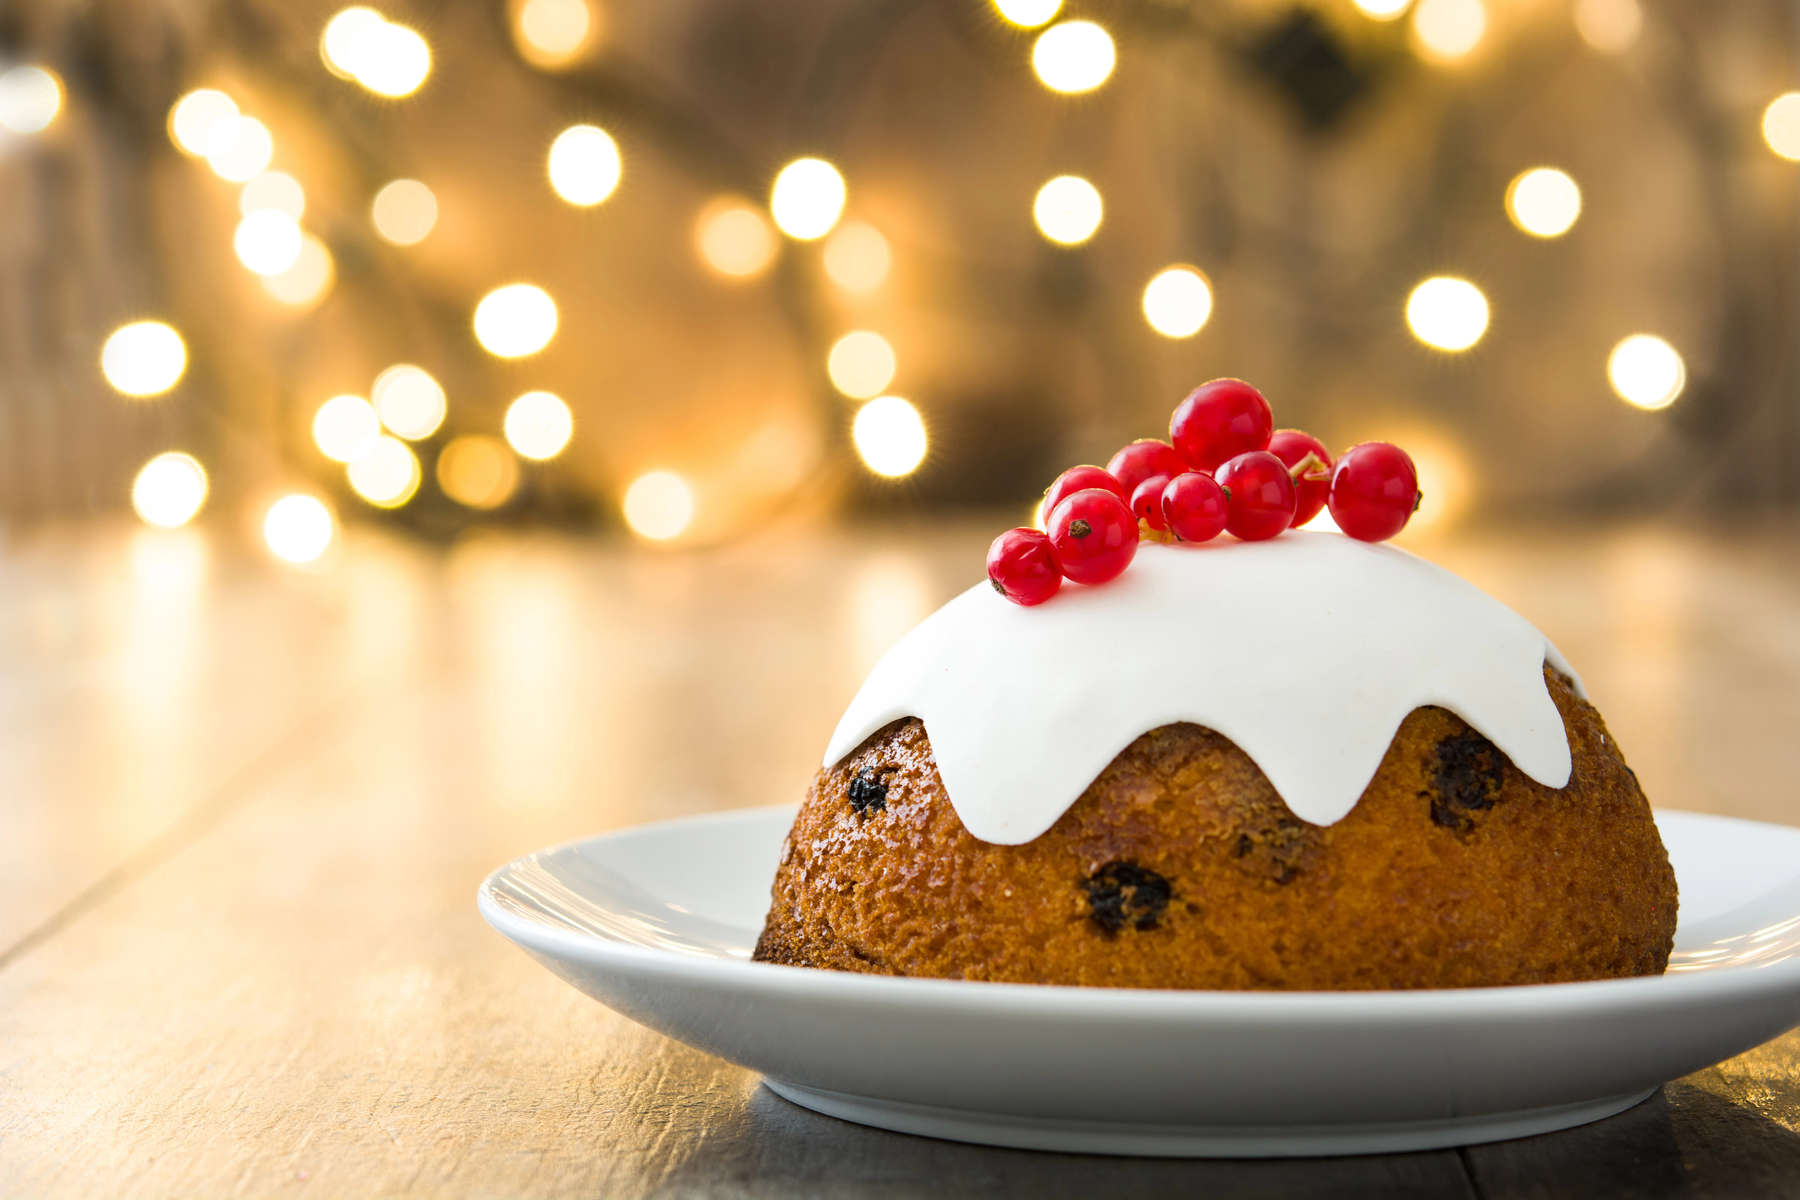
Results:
[1295, 762]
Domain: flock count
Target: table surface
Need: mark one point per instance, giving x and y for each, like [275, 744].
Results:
[247, 808]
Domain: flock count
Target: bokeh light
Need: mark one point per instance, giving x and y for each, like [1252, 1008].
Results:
[553, 33]
[478, 471]
[889, 436]
[1446, 30]
[1177, 302]
[584, 165]
[1447, 313]
[267, 241]
[1646, 372]
[1028, 14]
[1781, 125]
[658, 505]
[1609, 26]
[1381, 10]
[386, 474]
[404, 212]
[409, 401]
[538, 425]
[298, 528]
[1073, 57]
[1067, 210]
[305, 283]
[275, 190]
[1543, 202]
[857, 257]
[807, 198]
[30, 98]
[144, 358]
[345, 427]
[386, 57]
[861, 364]
[193, 118]
[349, 36]
[735, 239]
[515, 321]
[169, 490]
[239, 149]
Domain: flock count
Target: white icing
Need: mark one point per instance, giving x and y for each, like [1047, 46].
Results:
[1306, 650]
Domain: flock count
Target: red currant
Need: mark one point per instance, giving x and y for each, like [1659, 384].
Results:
[1142, 459]
[1220, 420]
[1262, 495]
[1374, 491]
[1076, 478]
[1095, 535]
[1146, 502]
[1312, 485]
[1194, 505]
[1022, 566]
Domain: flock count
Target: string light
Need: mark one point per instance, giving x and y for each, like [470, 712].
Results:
[1177, 302]
[1381, 10]
[477, 471]
[275, 190]
[807, 199]
[1543, 202]
[267, 241]
[1646, 372]
[386, 474]
[169, 490]
[239, 149]
[1073, 57]
[347, 38]
[1028, 14]
[553, 33]
[193, 118]
[144, 358]
[305, 283]
[1447, 30]
[1609, 26]
[1781, 125]
[584, 165]
[1067, 210]
[297, 528]
[889, 436]
[735, 239]
[409, 401]
[404, 212]
[861, 364]
[658, 505]
[538, 425]
[857, 257]
[386, 57]
[1447, 313]
[515, 321]
[345, 427]
[30, 98]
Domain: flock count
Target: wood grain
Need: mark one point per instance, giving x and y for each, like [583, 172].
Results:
[240, 948]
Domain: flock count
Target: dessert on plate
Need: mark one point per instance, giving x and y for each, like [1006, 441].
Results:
[1281, 760]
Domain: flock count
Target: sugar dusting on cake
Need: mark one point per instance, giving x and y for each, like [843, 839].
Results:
[1307, 651]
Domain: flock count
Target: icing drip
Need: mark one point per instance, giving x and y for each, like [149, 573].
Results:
[1306, 650]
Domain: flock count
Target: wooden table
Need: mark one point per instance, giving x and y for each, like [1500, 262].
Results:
[246, 808]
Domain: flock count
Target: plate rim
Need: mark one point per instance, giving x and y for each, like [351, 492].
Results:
[1608, 996]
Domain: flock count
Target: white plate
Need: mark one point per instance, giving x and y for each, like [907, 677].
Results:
[658, 922]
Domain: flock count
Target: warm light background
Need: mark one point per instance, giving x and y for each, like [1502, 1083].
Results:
[686, 269]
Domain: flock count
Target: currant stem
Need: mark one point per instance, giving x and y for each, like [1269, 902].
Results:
[1311, 468]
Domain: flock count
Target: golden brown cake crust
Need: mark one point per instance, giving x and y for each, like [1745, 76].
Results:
[1180, 867]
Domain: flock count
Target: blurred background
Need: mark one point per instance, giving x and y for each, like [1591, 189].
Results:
[671, 272]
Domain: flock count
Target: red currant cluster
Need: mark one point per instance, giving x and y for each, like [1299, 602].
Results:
[1224, 469]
